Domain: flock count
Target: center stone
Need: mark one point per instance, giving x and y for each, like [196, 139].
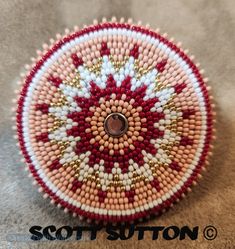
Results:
[116, 124]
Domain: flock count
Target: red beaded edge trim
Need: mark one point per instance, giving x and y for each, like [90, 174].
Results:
[164, 205]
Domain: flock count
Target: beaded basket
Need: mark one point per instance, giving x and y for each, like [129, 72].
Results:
[114, 121]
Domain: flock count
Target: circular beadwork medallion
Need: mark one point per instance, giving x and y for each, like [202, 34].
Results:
[114, 122]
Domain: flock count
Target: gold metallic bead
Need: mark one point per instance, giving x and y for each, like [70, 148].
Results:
[151, 163]
[110, 184]
[146, 180]
[116, 177]
[132, 186]
[123, 188]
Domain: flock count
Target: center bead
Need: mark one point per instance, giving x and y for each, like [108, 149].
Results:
[116, 124]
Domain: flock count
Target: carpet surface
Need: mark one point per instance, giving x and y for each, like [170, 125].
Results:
[207, 29]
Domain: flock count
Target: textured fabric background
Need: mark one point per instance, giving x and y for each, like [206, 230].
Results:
[206, 28]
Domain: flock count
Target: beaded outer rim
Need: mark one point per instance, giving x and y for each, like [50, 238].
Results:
[106, 218]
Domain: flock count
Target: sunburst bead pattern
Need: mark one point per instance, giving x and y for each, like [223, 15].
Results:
[114, 122]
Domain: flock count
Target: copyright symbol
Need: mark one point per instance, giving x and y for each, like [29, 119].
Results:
[210, 232]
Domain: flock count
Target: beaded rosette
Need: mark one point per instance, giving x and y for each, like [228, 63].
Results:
[114, 121]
